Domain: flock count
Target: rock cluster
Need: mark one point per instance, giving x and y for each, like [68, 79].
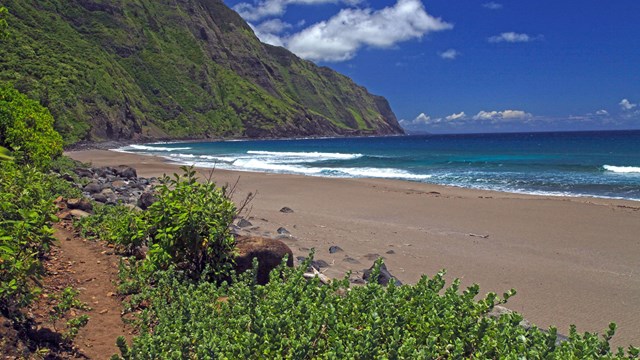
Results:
[116, 185]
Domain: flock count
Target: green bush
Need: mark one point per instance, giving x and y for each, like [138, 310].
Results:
[26, 212]
[190, 225]
[26, 127]
[294, 318]
[116, 224]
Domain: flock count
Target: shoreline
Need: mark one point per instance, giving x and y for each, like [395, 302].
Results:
[573, 260]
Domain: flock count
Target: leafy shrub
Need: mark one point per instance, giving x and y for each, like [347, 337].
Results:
[294, 318]
[116, 224]
[26, 212]
[26, 127]
[189, 225]
[66, 301]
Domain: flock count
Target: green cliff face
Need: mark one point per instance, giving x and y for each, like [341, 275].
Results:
[148, 69]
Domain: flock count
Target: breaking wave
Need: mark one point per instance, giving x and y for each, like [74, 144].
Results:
[622, 169]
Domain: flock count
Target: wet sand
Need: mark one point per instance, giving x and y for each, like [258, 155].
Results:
[572, 260]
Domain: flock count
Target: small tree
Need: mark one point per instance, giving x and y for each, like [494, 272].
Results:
[190, 225]
[26, 128]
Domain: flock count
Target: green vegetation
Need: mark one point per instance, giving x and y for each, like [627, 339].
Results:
[67, 301]
[188, 316]
[26, 212]
[294, 318]
[119, 69]
[27, 128]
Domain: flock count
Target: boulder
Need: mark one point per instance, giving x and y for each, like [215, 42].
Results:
[82, 204]
[269, 253]
[119, 184]
[146, 199]
[384, 278]
[93, 188]
[244, 223]
[72, 214]
[126, 172]
[100, 198]
[82, 172]
[110, 195]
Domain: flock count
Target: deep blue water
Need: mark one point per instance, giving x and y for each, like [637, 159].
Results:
[600, 164]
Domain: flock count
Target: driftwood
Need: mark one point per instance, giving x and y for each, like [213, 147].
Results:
[478, 235]
[315, 273]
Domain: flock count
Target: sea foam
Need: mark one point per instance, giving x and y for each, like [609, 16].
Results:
[622, 169]
[154, 148]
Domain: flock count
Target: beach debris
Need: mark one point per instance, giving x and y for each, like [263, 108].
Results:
[286, 210]
[315, 273]
[390, 252]
[244, 223]
[479, 235]
[334, 249]
[283, 231]
[268, 252]
[384, 277]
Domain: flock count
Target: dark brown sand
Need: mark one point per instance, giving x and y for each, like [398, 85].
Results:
[572, 260]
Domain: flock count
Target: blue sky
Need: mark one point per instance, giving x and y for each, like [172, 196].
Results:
[455, 66]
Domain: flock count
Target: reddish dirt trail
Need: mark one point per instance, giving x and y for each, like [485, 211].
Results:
[95, 272]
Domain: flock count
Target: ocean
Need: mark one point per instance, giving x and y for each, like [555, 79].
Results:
[595, 164]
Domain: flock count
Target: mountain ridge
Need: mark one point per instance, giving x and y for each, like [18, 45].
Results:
[142, 69]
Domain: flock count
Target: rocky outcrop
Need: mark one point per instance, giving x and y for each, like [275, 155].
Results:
[268, 252]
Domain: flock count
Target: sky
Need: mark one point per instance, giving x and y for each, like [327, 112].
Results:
[466, 66]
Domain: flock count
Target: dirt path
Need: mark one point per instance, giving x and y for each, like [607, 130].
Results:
[92, 267]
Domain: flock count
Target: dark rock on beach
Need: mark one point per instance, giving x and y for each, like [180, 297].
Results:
[286, 210]
[383, 279]
[334, 249]
[283, 231]
[126, 172]
[244, 223]
[146, 200]
[269, 253]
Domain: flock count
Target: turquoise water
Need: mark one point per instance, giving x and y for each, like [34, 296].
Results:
[599, 164]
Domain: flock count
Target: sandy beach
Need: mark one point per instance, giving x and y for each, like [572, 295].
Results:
[572, 260]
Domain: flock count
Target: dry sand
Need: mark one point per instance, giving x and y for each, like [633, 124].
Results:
[572, 260]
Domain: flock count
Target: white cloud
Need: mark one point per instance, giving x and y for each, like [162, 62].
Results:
[492, 5]
[265, 8]
[625, 104]
[268, 31]
[340, 37]
[602, 112]
[449, 54]
[502, 115]
[513, 37]
[422, 119]
[458, 116]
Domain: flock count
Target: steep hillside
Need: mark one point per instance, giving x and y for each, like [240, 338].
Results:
[137, 69]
